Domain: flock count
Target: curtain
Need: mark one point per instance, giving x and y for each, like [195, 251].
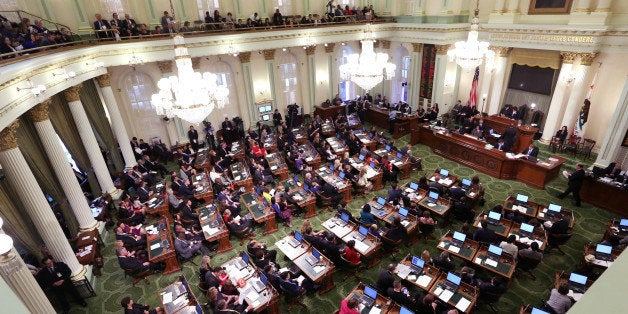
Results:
[535, 58]
[37, 160]
[98, 119]
[518, 97]
[17, 224]
[62, 120]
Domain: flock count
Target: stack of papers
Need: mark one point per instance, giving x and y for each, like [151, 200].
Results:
[318, 268]
[210, 231]
[445, 295]
[403, 270]
[423, 280]
[463, 304]
[361, 247]
[454, 249]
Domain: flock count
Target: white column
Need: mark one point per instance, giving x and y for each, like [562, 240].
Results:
[499, 80]
[117, 124]
[513, 6]
[23, 285]
[611, 144]
[499, 6]
[329, 49]
[311, 77]
[269, 56]
[415, 75]
[440, 70]
[578, 90]
[89, 140]
[61, 167]
[34, 202]
[583, 6]
[556, 109]
[603, 6]
[247, 109]
[419, 8]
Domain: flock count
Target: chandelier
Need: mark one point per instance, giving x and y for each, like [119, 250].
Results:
[191, 96]
[469, 54]
[368, 68]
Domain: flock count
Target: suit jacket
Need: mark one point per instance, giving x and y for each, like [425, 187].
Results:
[393, 195]
[384, 281]
[99, 24]
[211, 280]
[534, 153]
[484, 235]
[560, 227]
[187, 213]
[131, 263]
[436, 185]
[143, 194]
[290, 286]
[186, 192]
[184, 248]
[576, 178]
[61, 271]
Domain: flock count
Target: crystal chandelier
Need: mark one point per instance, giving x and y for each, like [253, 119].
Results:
[368, 68]
[469, 54]
[191, 96]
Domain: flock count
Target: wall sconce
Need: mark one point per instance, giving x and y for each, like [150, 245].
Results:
[36, 90]
[65, 74]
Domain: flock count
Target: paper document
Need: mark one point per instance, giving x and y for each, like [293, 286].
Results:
[405, 223]
[237, 178]
[308, 159]
[463, 304]
[155, 246]
[576, 296]
[318, 268]
[442, 244]
[252, 295]
[446, 295]
[454, 249]
[375, 310]
[478, 260]
[300, 279]
[167, 297]
[424, 280]
[490, 262]
[361, 247]
[273, 167]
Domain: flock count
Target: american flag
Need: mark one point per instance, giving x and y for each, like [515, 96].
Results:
[473, 94]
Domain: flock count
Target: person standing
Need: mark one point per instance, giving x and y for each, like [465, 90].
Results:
[574, 184]
[56, 276]
[193, 137]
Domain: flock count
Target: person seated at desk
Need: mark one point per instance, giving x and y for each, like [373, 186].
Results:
[425, 255]
[282, 210]
[532, 252]
[306, 227]
[363, 180]
[130, 236]
[255, 246]
[484, 234]
[444, 262]
[332, 192]
[291, 286]
[238, 224]
[515, 216]
[350, 306]
[559, 226]
[385, 279]
[495, 286]
[366, 217]
[186, 211]
[224, 307]
[462, 210]
[402, 296]
[614, 171]
[396, 231]
[130, 307]
[478, 132]
[350, 253]
[467, 275]
[143, 192]
[509, 246]
[426, 219]
[430, 304]
[390, 173]
[558, 300]
[186, 248]
[531, 151]
[136, 261]
[503, 145]
[129, 212]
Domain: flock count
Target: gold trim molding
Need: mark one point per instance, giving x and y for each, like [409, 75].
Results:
[269, 54]
[245, 57]
[330, 47]
[165, 66]
[417, 47]
[442, 49]
[568, 57]
[104, 80]
[310, 50]
[587, 58]
[8, 140]
[72, 93]
[40, 111]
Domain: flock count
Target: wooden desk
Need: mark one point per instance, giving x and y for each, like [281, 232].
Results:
[88, 247]
[593, 192]
[505, 266]
[289, 251]
[440, 208]
[463, 299]
[277, 165]
[525, 133]
[270, 143]
[466, 252]
[178, 297]
[539, 236]
[268, 299]
[203, 187]
[447, 182]
[322, 273]
[305, 200]
[342, 185]
[385, 304]
[353, 122]
[366, 140]
[337, 146]
[157, 204]
[401, 164]
[590, 250]
[241, 175]
[338, 228]
[327, 128]
[378, 117]
[613, 231]
[424, 281]
[411, 223]
[541, 215]
[502, 229]
[237, 150]
[330, 112]
[310, 155]
[260, 212]
[373, 175]
[214, 228]
[202, 161]
[300, 135]
[404, 125]
[531, 208]
[161, 246]
[370, 247]
[415, 196]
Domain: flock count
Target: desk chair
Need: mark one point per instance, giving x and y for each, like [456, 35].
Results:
[350, 268]
[527, 265]
[556, 240]
[391, 247]
[427, 230]
[138, 275]
[490, 299]
[586, 148]
[556, 144]
[359, 190]
[324, 202]
[292, 298]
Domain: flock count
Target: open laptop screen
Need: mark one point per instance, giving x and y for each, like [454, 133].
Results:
[381, 200]
[495, 216]
[460, 236]
[418, 262]
[444, 172]
[577, 278]
[433, 195]
[522, 198]
[404, 310]
[554, 208]
[451, 277]
[403, 211]
[245, 257]
[495, 250]
[298, 236]
[370, 292]
[344, 217]
[605, 249]
[623, 222]
[415, 186]
[537, 311]
[527, 227]
[362, 230]
[316, 254]
[466, 182]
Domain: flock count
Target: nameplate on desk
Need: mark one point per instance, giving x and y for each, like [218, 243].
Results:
[490, 262]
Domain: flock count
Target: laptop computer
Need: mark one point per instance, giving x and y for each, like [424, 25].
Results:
[432, 197]
[521, 200]
[417, 265]
[341, 175]
[623, 225]
[314, 257]
[452, 282]
[296, 239]
[369, 296]
[361, 235]
[537, 311]
[494, 218]
[344, 220]
[404, 310]
[578, 283]
[399, 155]
[372, 164]
[526, 230]
[243, 262]
[458, 239]
[306, 187]
[331, 167]
[553, 210]
[261, 284]
[466, 184]
[380, 203]
[412, 187]
[444, 173]
[387, 148]
[603, 252]
[403, 212]
[494, 252]
[361, 157]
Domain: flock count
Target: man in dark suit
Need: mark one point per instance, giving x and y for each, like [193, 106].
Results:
[560, 225]
[575, 182]
[510, 135]
[56, 277]
[503, 146]
[484, 234]
[186, 190]
[394, 194]
[400, 295]
[144, 193]
[101, 27]
[531, 151]
[227, 129]
[193, 137]
[128, 26]
[330, 191]
[435, 185]
[186, 211]
[386, 279]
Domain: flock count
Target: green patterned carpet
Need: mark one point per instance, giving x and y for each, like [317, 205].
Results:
[111, 287]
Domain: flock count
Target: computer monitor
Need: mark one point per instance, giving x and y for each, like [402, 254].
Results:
[344, 217]
[306, 188]
[361, 157]
[414, 186]
[459, 236]
[342, 175]
[263, 279]
[554, 208]
[444, 172]
[399, 155]
[403, 212]
[494, 251]
[261, 109]
[494, 216]
[418, 262]
[296, 178]
[245, 257]
[331, 167]
[404, 310]
[466, 183]
[623, 222]
[537, 311]
[269, 108]
[298, 236]
[362, 230]
[526, 228]
[604, 249]
[266, 117]
[370, 292]
[316, 254]
[387, 147]
[372, 164]
[381, 201]
[451, 277]
[522, 198]
[578, 279]
[338, 136]
[363, 129]
[433, 195]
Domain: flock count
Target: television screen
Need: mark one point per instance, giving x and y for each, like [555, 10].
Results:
[532, 79]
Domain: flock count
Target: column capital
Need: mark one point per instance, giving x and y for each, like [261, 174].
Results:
[375, 44]
[442, 49]
[310, 50]
[72, 93]
[8, 140]
[587, 58]
[568, 57]
[417, 47]
[165, 66]
[245, 57]
[104, 80]
[501, 51]
[386, 44]
[329, 47]
[40, 111]
[269, 54]
[196, 63]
